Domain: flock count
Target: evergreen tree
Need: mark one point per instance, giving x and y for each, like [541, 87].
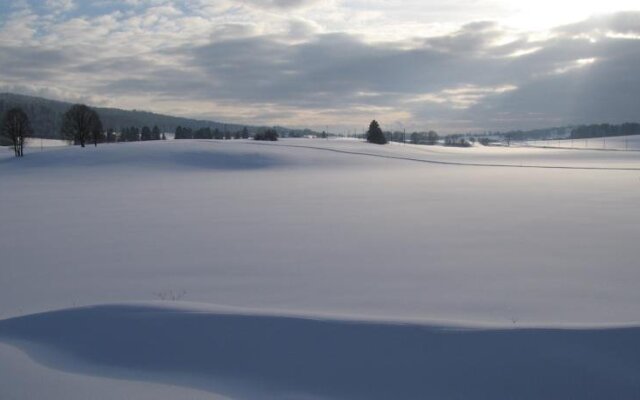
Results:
[133, 134]
[269, 135]
[375, 135]
[203, 133]
[146, 133]
[155, 133]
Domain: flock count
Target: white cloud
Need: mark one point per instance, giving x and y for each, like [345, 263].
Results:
[59, 5]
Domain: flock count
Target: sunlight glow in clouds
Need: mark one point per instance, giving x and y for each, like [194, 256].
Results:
[419, 64]
[544, 14]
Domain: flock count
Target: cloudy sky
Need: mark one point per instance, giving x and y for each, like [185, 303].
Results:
[459, 65]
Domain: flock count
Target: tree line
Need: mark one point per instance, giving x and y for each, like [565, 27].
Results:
[377, 136]
[268, 134]
[80, 125]
[135, 134]
[45, 116]
[208, 133]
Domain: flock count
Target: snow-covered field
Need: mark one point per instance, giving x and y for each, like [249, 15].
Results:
[319, 269]
[601, 143]
[39, 143]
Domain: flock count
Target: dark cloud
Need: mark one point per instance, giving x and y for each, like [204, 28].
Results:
[623, 22]
[30, 62]
[605, 90]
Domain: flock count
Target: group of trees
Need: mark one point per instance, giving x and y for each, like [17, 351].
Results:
[268, 135]
[429, 138]
[208, 133]
[135, 134]
[376, 135]
[457, 141]
[80, 125]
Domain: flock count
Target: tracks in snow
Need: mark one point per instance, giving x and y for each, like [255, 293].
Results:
[458, 163]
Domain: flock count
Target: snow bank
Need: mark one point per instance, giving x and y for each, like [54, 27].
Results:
[246, 355]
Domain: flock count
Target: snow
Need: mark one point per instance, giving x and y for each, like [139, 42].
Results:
[630, 143]
[278, 357]
[342, 252]
[40, 143]
[23, 378]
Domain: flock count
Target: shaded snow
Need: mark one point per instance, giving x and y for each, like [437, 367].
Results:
[23, 378]
[342, 229]
[277, 357]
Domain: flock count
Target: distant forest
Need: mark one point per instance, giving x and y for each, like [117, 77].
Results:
[46, 118]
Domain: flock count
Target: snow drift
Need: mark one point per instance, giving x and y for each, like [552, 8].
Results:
[257, 355]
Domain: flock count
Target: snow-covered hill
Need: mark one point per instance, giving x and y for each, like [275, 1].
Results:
[357, 262]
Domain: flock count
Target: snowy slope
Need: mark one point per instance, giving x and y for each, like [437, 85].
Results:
[338, 229]
[322, 231]
[606, 143]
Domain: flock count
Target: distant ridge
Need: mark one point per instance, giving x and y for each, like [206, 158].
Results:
[46, 117]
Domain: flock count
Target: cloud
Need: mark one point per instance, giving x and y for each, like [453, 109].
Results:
[622, 23]
[59, 5]
[282, 4]
[256, 64]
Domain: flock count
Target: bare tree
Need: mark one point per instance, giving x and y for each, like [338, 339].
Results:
[80, 123]
[16, 127]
